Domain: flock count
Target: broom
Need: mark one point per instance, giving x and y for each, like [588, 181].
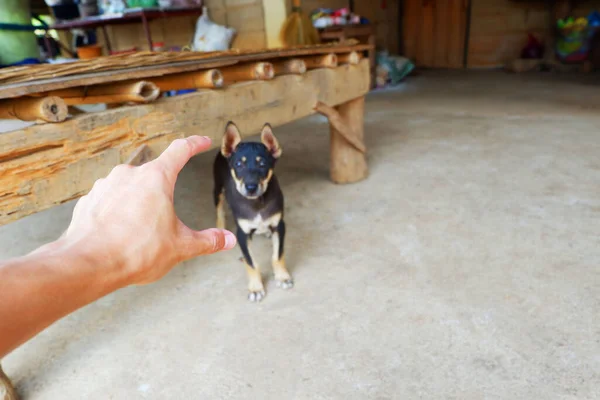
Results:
[298, 28]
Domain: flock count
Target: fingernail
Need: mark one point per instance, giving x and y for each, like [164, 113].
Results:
[230, 240]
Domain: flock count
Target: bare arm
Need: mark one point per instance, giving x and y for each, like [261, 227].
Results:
[123, 232]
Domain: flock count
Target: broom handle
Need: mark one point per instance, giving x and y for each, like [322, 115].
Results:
[295, 4]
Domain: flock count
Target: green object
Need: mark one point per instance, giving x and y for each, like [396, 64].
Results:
[398, 67]
[16, 46]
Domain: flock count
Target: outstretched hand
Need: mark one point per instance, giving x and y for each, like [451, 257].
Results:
[129, 218]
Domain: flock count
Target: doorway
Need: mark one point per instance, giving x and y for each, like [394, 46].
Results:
[434, 32]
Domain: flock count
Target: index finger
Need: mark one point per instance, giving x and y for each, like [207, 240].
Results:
[179, 152]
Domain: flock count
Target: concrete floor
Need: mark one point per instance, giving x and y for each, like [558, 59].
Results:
[465, 267]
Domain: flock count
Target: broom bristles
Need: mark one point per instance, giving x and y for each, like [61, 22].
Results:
[298, 30]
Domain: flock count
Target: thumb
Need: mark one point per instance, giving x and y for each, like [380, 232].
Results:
[208, 241]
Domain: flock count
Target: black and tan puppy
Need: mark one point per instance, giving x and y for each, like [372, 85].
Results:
[244, 177]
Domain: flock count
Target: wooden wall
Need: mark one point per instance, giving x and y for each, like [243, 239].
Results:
[499, 28]
[385, 19]
[246, 16]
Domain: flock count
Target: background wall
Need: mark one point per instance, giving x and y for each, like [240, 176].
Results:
[246, 16]
[249, 18]
[499, 28]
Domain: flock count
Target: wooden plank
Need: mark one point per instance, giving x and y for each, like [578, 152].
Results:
[442, 34]
[45, 165]
[250, 41]
[277, 15]
[246, 18]
[426, 41]
[45, 85]
[456, 33]
[411, 22]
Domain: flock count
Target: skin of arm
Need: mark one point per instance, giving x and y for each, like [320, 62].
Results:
[123, 232]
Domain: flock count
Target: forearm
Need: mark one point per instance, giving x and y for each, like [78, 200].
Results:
[48, 284]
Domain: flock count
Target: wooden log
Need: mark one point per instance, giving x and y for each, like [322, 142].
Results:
[351, 58]
[208, 79]
[144, 71]
[291, 66]
[248, 72]
[321, 61]
[337, 121]
[129, 91]
[347, 163]
[7, 391]
[45, 165]
[48, 109]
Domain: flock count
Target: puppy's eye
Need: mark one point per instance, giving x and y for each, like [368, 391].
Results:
[262, 163]
[238, 164]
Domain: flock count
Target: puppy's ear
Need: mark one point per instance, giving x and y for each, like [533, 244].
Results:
[231, 139]
[269, 140]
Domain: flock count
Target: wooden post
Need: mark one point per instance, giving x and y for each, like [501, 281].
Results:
[348, 163]
[7, 391]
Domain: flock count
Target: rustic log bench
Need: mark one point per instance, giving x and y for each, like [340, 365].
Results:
[48, 164]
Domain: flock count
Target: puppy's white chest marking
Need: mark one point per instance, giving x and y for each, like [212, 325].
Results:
[259, 225]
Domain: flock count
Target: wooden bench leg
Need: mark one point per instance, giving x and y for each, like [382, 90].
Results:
[7, 391]
[348, 161]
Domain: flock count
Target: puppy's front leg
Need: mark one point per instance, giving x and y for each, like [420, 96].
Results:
[282, 276]
[255, 285]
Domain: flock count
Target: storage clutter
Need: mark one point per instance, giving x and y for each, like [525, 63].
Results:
[326, 17]
[575, 36]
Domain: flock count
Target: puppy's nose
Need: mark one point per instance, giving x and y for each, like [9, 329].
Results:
[251, 188]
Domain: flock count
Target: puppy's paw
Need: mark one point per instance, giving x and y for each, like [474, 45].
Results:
[283, 279]
[285, 284]
[257, 296]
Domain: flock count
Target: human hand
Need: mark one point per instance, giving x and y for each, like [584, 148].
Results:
[128, 222]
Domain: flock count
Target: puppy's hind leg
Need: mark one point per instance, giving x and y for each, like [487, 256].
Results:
[219, 195]
[220, 204]
[283, 278]
[256, 290]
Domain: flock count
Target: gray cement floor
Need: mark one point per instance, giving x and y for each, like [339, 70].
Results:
[465, 267]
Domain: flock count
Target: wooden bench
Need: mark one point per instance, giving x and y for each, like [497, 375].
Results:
[48, 164]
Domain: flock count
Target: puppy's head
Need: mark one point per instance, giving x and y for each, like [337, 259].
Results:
[251, 164]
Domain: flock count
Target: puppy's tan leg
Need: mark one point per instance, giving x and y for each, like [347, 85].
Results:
[221, 212]
[283, 278]
[7, 391]
[256, 290]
